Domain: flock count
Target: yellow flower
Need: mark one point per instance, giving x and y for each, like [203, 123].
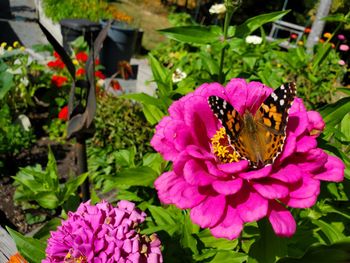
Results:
[22, 48]
[9, 48]
[75, 62]
[300, 43]
[3, 44]
[16, 44]
[327, 35]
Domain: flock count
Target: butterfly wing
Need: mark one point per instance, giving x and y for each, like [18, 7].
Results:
[232, 122]
[272, 119]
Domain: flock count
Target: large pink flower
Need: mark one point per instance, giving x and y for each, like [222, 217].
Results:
[224, 193]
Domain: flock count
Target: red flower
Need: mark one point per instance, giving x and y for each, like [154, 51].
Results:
[58, 81]
[293, 36]
[56, 64]
[81, 56]
[116, 85]
[97, 61]
[63, 114]
[307, 30]
[55, 54]
[80, 72]
[99, 75]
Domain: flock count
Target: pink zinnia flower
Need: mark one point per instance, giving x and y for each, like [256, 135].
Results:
[103, 233]
[344, 47]
[224, 193]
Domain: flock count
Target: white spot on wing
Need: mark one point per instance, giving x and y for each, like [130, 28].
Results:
[274, 96]
[282, 102]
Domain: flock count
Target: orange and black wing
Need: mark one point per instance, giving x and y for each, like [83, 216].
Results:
[273, 118]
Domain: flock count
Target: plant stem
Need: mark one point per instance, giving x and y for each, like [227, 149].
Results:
[228, 17]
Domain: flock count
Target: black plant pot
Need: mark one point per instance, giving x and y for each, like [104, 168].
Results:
[118, 46]
[74, 28]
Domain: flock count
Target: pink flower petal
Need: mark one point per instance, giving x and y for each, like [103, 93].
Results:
[228, 187]
[306, 143]
[308, 187]
[288, 148]
[288, 174]
[200, 120]
[230, 227]
[281, 220]
[301, 202]
[210, 211]
[270, 188]
[250, 205]
[233, 168]
[298, 123]
[333, 170]
[315, 121]
[195, 174]
[254, 174]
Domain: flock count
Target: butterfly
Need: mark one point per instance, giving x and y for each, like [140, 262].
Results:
[257, 138]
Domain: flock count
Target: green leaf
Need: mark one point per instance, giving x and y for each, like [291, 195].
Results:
[344, 90]
[210, 64]
[160, 75]
[44, 232]
[321, 56]
[334, 113]
[154, 161]
[143, 98]
[6, 83]
[229, 257]
[269, 247]
[333, 235]
[166, 219]
[345, 126]
[250, 25]
[139, 176]
[31, 249]
[71, 186]
[188, 240]
[192, 34]
[335, 253]
[47, 200]
[220, 243]
[153, 114]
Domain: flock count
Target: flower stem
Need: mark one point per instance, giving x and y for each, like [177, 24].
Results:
[228, 17]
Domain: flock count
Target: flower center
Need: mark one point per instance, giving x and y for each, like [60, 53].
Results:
[222, 149]
[69, 258]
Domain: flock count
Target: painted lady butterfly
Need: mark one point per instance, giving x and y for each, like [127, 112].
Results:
[257, 138]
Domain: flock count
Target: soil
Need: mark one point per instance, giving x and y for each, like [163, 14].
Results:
[13, 215]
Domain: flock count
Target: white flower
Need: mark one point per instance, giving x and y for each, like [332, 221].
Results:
[256, 40]
[24, 122]
[217, 9]
[178, 75]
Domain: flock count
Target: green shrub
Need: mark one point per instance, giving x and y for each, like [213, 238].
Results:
[13, 138]
[120, 124]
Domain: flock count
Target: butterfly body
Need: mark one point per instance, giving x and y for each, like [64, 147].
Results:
[259, 137]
